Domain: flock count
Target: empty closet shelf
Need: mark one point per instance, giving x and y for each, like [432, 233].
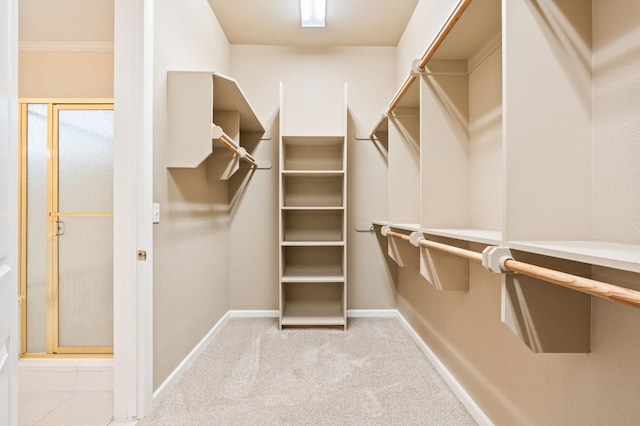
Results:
[313, 208]
[313, 173]
[507, 263]
[313, 153]
[313, 243]
[300, 275]
[613, 255]
[483, 236]
[309, 313]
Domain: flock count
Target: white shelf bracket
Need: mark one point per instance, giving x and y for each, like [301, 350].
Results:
[415, 238]
[385, 230]
[216, 131]
[242, 153]
[414, 70]
[494, 258]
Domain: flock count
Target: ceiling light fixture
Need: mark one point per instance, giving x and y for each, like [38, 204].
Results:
[313, 13]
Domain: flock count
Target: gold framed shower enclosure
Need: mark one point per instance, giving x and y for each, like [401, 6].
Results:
[55, 213]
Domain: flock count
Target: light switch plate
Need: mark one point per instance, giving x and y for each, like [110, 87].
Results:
[155, 212]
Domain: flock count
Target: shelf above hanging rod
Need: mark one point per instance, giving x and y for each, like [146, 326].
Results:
[218, 134]
[422, 63]
[506, 263]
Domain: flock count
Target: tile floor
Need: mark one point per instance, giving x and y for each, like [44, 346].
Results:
[65, 408]
[65, 392]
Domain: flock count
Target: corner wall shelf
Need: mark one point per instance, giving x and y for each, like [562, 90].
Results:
[200, 104]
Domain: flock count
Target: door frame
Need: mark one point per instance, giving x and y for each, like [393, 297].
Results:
[133, 189]
[132, 205]
[9, 141]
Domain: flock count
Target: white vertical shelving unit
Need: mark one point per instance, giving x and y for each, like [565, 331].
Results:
[313, 205]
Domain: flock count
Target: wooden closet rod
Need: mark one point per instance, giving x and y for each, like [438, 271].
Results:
[428, 54]
[599, 289]
[468, 254]
[219, 134]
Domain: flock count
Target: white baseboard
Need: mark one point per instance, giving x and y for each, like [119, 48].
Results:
[466, 400]
[253, 314]
[372, 313]
[186, 363]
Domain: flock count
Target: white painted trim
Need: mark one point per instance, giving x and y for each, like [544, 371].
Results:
[66, 46]
[466, 400]
[133, 186]
[144, 194]
[170, 381]
[253, 314]
[372, 313]
[9, 207]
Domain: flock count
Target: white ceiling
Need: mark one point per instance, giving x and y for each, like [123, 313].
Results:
[349, 22]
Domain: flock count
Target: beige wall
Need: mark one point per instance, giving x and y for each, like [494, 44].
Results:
[62, 74]
[191, 256]
[369, 73]
[616, 143]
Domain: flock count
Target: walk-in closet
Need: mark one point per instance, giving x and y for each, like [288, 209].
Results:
[326, 212]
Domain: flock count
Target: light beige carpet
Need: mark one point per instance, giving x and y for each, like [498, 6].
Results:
[253, 374]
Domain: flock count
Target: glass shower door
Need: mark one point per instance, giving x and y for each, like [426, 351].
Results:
[82, 229]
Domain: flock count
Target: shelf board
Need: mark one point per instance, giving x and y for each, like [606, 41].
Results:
[313, 243]
[312, 275]
[312, 140]
[483, 236]
[228, 96]
[478, 23]
[313, 173]
[310, 313]
[403, 226]
[612, 255]
[318, 138]
[289, 208]
[412, 227]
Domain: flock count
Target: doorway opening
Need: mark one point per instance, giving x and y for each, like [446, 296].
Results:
[66, 227]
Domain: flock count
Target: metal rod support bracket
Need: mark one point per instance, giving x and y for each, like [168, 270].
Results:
[414, 69]
[364, 227]
[415, 238]
[385, 230]
[494, 257]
